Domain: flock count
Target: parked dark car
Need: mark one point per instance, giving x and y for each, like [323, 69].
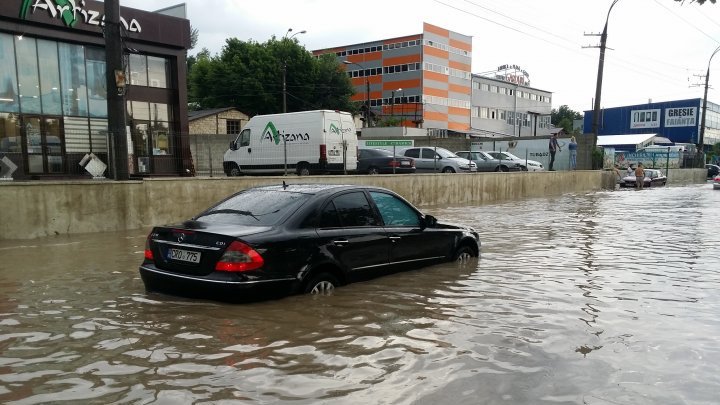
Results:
[271, 241]
[653, 178]
[712, 170]
[377, 161]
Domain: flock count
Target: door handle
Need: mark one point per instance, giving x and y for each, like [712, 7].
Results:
[341, 242]
[249, 150]
[395, 238]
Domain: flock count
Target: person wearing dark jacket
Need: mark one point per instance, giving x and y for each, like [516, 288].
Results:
[554, 147]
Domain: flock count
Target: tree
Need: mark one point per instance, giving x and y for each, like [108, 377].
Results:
[564, 117]
[249, 76]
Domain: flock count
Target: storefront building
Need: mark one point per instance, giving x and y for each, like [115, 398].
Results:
[53, 89]
[678, 120]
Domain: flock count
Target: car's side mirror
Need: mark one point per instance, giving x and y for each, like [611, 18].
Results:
[232, 145]
[429, 221]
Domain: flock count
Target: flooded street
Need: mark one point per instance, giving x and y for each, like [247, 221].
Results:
[601, 298]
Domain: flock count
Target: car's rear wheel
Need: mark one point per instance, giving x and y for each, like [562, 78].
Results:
[448, 170]
[464, 254]
[322, 284]
[373, 170]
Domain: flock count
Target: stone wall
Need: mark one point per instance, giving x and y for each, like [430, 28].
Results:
[216, 123]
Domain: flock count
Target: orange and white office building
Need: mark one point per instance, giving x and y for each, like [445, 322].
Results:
[421, 80]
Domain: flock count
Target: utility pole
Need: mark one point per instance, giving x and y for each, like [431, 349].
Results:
[701, 138]
[115, 73]
[598, 87]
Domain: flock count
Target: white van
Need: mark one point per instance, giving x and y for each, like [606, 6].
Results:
[304, 142]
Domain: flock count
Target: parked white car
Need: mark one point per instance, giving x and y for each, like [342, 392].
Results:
[532, 165]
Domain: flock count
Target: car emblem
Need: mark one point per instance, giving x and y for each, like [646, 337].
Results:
[181, 237]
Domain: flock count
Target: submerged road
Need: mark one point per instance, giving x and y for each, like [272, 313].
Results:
[601, 298]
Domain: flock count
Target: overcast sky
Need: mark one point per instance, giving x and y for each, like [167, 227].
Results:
[660, 49]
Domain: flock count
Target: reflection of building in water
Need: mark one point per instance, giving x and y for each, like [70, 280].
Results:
[53, 89]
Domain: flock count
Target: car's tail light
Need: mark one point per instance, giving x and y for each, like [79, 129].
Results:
[148, 251]
[239, 257]
[394, 163]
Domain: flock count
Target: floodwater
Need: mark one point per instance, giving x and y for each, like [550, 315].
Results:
[601, 298]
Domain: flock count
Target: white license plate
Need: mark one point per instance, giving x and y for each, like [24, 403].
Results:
[404, 163]
[184, 255]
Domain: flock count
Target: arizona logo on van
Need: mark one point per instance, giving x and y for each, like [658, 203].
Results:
[271, 134]
[338, 131]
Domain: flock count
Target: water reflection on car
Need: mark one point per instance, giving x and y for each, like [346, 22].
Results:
[272, 241]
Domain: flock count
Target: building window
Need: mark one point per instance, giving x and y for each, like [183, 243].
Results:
[72, 78]
[158, 69]
[9, 101]
[138, 70]
[233, 126]
[97, 81]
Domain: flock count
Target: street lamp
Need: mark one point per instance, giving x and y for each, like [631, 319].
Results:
[284, 68]
[598, 88]
[392, 102]
[366, 113]
[701, 138]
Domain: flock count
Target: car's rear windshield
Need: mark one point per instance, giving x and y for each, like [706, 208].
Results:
[445, 153]
[255, 207]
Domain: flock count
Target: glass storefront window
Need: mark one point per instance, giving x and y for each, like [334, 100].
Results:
[49, 77]
[10, 140]
[9, 101]
[72, 78]
[98, 135]
[160, 115]
[28, 77]
[157, 72]
[97, 82]
[138, 70]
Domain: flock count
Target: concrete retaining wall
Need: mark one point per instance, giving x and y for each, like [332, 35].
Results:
[37, 209]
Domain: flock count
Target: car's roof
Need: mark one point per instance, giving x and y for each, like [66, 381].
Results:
[313, 188]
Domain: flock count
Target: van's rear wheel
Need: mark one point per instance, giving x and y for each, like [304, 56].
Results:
[303, 170]
[448, 170]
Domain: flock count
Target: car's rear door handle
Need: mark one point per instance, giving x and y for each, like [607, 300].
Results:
[341, 242]
[394, 238]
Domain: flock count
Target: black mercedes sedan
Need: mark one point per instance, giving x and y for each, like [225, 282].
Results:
[272, 241]
[379, 161]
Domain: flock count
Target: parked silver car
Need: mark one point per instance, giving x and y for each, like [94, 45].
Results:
[532, 165]
[433, 159]
[487, 163]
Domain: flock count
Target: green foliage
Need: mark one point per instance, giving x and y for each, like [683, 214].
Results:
[564, 117]
[249, 77]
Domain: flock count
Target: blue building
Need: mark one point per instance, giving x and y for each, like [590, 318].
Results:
[677, 120]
